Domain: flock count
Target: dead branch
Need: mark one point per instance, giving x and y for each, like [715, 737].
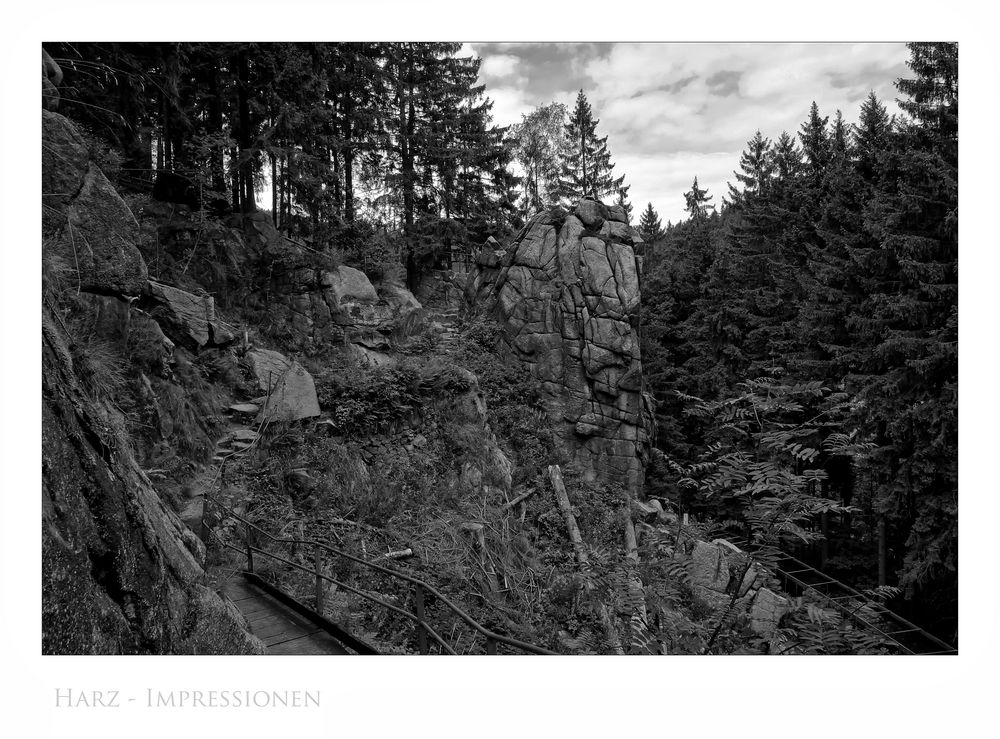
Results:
[562, 499]
[519, 499]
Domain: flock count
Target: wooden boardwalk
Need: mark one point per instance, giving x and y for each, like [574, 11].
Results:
[281, 629]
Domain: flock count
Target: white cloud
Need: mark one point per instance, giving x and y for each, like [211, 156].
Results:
[663, 180]
[498, 65]
[509, 103]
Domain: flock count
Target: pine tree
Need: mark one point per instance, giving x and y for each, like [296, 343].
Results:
[756, 170]
[698, 203]
[787, 162]
[871, 136]
[815, 142]
[586, 159]
[650, 227]
[622, 202]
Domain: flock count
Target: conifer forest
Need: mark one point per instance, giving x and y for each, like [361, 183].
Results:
[325, 341]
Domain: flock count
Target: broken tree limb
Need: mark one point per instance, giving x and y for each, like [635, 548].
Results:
[345, 522]
[398, 554]
[562, 499]
[519, 499]
[478, 535]
[636, 593]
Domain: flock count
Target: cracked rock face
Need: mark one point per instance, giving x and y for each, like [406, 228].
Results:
[342, 306]
[84, 220]
[567, 295]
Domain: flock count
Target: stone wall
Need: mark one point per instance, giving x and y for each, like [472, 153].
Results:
[566, 293]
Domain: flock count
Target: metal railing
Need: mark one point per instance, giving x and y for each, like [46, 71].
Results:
[900, 632]
[252, 535]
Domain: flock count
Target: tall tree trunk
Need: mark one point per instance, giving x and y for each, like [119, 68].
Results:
[217, 161]
[407, 115]
[163, 148]
[882, 553]
[348, 151]
[285, 196]
[274, 190]
[248, 203]
[338, 196]
[234, 156]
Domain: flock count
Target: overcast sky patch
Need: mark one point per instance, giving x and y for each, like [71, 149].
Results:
[672, 112]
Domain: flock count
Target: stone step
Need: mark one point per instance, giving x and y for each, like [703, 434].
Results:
[240, 434]
[246, 408]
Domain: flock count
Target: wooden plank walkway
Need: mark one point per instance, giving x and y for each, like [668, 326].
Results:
[281, 629]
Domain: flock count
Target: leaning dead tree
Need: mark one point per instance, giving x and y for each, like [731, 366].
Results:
[562, 500]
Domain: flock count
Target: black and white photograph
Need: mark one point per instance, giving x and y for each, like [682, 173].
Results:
[625, 352]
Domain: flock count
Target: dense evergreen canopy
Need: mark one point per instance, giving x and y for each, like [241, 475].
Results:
[835, 261]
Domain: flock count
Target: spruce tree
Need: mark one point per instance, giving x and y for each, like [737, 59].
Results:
[756, 170]
[815, 142]
[622, 202]
[698, 203]
[650, 227]
[586, 159]
[871, 136]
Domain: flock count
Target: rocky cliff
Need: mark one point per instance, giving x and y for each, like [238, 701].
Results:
[120, 573]
[566, 293]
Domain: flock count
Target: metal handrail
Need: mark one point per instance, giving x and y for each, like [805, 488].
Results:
[854, 594]
[492, 638]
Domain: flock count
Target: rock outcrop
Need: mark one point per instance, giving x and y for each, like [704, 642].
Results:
[567, 296]
[716, 571]
[190, 318]
[290, 389]
[120, 573]
[341, 305]
[85, 223]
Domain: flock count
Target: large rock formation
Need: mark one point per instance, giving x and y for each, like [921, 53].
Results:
[567, 296]
[120, 572]
[341, 305]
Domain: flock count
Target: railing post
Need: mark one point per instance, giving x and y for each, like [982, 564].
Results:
[418, 604]
[249, 539]
[318, 560]
[202, 528]
[491, 645]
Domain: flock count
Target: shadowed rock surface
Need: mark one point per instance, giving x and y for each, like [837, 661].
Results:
[567, 296]
[85, 222]
[120, 573]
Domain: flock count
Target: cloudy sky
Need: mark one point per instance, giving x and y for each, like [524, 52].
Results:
[675, 111]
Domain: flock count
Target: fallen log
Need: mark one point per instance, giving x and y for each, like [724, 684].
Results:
[562, 499]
